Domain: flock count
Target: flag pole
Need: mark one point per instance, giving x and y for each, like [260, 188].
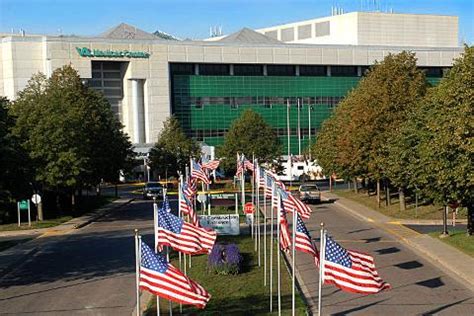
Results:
[279, 254]
[254, 216]
[299, 128]
[322, 255]
[264, 235]
[155, 220]
[271, 249]
[288, 123]
[293, 265]
[257, 191]
[180, 188]
[167, 253]
[137, 269]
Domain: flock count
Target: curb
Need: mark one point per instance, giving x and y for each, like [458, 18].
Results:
[101, 212]
[301, 287]
[30, 247]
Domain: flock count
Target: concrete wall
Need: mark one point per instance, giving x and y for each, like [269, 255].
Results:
[376, 28]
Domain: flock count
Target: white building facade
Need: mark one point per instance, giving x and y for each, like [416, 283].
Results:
[135, 70]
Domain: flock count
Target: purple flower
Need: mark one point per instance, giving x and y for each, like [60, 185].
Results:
[225, 259]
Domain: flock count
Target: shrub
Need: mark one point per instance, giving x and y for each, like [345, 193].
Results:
[225, 259]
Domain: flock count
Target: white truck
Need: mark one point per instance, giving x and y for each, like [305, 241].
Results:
[301, 170]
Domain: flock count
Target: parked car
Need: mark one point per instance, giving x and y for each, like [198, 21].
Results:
[309, 192]
[152, 189]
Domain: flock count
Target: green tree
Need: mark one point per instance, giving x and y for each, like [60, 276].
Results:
[369, 118]
[14, 173]
[394, 88]
[69, 132]
[172, 150]
[446, 149]
[251, 135]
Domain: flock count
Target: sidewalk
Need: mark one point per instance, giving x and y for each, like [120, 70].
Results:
[449, 259]
[13, 255]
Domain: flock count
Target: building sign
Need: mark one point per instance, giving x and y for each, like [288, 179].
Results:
[222, 224]
[86, 52]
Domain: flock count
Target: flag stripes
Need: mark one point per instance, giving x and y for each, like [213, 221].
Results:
[163, 279]
[350, 270]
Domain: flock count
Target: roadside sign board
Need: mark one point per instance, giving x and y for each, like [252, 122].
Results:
[202, 198]
[249, 219]
[249, 208]
[222, 224]
[23, 205]
[36, 199]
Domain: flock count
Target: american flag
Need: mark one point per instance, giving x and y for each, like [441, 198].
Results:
[184, 237]
[292, 203]
[285, 236]
[166, 204]
[190, 188]
[240, 164]
[198, 173]
[163, 279]
[349, 270]
[268, 184]
[187, 206]
[211, 165]
[303, 238]
[260, 177]
[248, 165]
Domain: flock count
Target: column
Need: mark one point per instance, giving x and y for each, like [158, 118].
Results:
[138, 111]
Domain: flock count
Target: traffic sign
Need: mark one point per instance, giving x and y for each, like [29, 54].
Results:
[202, 198]
[249, 208]
[36, 199]
[23, 205]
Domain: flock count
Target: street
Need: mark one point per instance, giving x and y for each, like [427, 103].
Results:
[418, 286]
[91, 271]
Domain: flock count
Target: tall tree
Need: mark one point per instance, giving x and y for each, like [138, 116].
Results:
[69, 131]
[173, 148]
[446, 148]
[393, 88]
[14, 172]
[251, 135]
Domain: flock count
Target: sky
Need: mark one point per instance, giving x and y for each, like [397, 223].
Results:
[192, 19]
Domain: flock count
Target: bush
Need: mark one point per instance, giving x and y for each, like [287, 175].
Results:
[225, 259]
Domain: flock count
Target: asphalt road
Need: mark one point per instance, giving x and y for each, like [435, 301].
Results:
[88, 272]
[91, 271]
[419, 287]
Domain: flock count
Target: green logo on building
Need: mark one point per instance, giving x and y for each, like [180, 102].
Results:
[86, 52]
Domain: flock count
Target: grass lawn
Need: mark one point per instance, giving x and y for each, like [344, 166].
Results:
[34, 224]
[10, 243]
[458, 239]
[86, 205]
[242, 294]
[393, 210]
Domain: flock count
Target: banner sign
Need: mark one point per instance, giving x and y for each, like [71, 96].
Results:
[222, 224]
[86, 52]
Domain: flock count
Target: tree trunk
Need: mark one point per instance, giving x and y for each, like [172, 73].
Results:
[470, 219]
[401, 198]
[73, 201]
[58, 203]
[349, 185]
[387, 198]
[356, 189]
[330, 184]
[40, 211]
[378, 193]
[116, 190]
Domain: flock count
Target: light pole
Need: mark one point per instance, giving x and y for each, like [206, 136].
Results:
[288, 124]
[299, 127]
